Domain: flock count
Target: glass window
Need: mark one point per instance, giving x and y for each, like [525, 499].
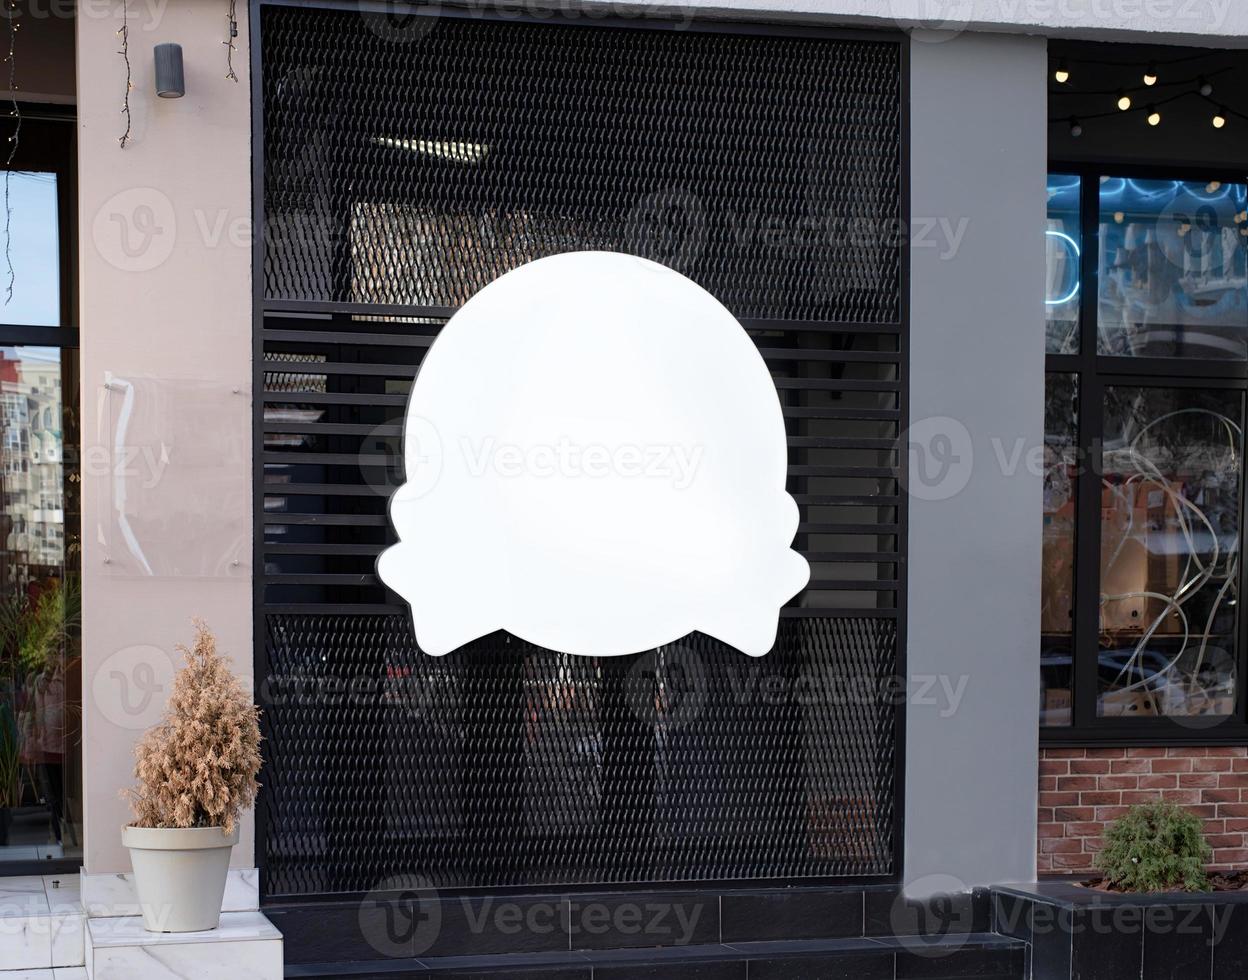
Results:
[40, 686]
[1172, 268]
[1143, 457]
[34, 251]
[1063, 242]
[1057, 616]
[1170, 524]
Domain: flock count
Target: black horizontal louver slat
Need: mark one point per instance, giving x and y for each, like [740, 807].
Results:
[766, 168]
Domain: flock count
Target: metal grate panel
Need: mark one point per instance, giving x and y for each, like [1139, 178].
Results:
[402, 173]
[416, 170]
[505, 764]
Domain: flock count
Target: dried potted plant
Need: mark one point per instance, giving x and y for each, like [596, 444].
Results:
[196, 773]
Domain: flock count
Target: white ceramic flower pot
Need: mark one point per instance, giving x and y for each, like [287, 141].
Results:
[180, 875]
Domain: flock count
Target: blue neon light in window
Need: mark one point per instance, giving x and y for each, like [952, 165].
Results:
[1074, 248]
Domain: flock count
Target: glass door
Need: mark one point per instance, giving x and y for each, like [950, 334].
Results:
[40, 590]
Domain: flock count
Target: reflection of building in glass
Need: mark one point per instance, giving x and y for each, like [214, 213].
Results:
[33, 521]
[1172, 268]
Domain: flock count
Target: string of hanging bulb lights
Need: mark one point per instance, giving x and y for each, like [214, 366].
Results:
[1153, 78]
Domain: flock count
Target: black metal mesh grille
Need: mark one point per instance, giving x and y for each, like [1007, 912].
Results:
[415, 166]
[504, 764]
[399, 177]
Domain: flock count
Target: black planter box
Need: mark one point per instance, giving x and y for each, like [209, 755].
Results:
[1078, 933]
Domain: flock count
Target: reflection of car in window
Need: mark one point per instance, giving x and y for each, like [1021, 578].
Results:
[1147, 683]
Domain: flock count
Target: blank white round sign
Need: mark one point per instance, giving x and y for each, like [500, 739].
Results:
[595, 460]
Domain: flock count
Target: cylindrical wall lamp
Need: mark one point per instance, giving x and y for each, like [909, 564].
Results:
[170, 83]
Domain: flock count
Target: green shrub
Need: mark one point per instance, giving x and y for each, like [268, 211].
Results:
[1156, 847]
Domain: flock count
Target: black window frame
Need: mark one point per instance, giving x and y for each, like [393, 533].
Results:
[49, 144]
[1093, 372]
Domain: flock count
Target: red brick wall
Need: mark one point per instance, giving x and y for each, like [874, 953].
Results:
[1083, 789]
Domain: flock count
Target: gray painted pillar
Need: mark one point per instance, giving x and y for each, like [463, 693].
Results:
[978, 159]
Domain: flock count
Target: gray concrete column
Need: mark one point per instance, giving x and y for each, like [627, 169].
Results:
[977, 184]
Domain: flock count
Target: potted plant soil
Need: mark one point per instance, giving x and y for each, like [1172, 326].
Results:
[196, 773]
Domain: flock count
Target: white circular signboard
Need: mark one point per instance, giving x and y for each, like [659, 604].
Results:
[595, 460]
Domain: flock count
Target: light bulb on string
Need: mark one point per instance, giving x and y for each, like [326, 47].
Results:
[1154, 117]
[1219, 118]
[1076, 127]
[1150, 74]
[1124, 101]
[1204, 86]
[1062, 73]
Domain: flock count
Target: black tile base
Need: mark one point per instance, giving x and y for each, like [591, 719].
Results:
[975, 956]
[797, 933]
[1079, 934]
[422, 926]
[795, 913]
[851, 966]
